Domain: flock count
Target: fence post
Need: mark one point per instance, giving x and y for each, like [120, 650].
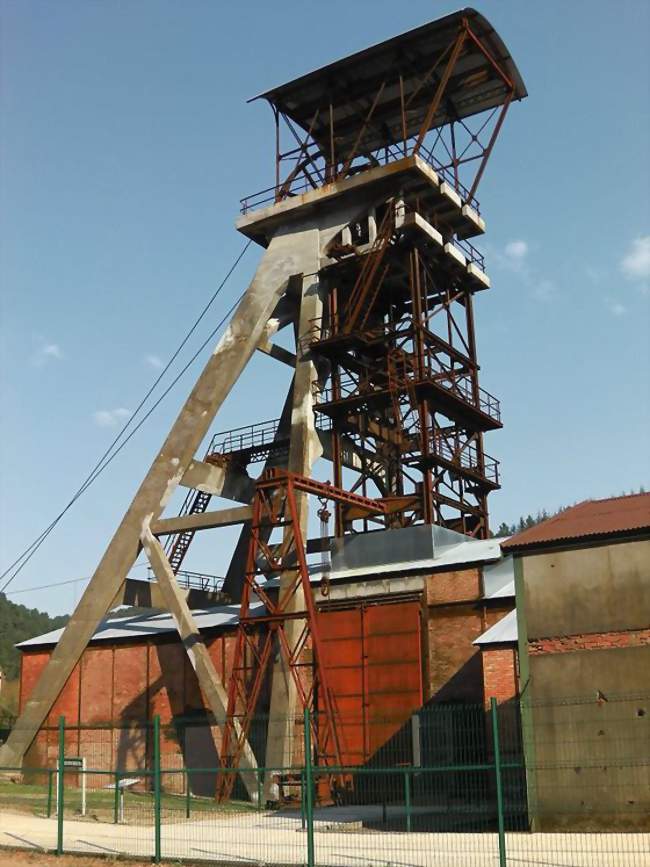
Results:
[50, 774]
[187, 794]
[156, 787]
[116, 799]
[59, 787]
[309, 790]
[407, 797]
[260, 795]
[499, 783]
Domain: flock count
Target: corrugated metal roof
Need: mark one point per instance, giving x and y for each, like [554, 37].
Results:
[499, 578]
[593, 518]
[505, 592]
[143, 625]
[503, 632]
[150, 625]
[474, 87]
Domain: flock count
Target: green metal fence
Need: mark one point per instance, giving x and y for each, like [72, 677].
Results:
[564, 783]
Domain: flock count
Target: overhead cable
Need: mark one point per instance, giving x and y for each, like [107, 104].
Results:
[113, 450]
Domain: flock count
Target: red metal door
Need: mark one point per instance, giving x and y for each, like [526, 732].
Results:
[374, 669]
[393, 669]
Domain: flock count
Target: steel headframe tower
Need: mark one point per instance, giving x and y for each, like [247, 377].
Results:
[367, 256]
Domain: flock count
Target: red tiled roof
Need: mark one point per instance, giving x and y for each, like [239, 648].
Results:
[615, 516]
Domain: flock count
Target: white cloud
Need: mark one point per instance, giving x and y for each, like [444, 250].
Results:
[47, 352]
[111, 417]
[544, 290]
[154, 361]
[516, 251]
[52, 350]
[513, 257]
[636, 262]
[616, 308]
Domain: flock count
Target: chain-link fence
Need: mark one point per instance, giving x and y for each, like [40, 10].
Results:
[563, 784]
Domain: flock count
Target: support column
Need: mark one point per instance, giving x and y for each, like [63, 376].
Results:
[209, 680]
[304, 450]
[289, 253]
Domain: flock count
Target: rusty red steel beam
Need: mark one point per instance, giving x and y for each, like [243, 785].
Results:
[278, 477]
[435, 103]
[353, 152]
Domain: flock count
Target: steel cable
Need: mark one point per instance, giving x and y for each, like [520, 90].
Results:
[113, 450]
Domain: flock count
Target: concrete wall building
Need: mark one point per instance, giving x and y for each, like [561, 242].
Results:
[583, 627]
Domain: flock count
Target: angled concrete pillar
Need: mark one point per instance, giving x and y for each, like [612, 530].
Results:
[209, 681]
[304, 450]
[289, 253]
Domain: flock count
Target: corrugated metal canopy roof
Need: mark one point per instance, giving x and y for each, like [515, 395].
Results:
[503, 632]
[594, 518]
[352, 82]
[150, 625]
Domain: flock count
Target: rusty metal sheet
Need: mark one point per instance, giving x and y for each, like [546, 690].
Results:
[393, 669]
[593, 518]
[374, 668]
[342, 642]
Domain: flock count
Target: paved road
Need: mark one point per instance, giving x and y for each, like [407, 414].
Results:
[339, 842]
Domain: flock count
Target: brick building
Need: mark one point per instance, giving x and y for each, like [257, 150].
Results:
[399, 623]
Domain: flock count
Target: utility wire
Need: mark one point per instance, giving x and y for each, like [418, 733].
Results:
[49, 586]
[103, 462]
[61, 583]
[100, 468]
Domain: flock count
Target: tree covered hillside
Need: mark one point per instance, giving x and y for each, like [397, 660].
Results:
[16, 624]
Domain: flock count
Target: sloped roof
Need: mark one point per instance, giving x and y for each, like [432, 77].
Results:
[150, 625]
[475, 86]
[593, 519]
[503, 632]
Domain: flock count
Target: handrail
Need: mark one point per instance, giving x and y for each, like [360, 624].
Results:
[252, 436]
[385, 156]
[461, 386]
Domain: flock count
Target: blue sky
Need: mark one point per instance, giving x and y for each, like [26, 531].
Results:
[126, 146]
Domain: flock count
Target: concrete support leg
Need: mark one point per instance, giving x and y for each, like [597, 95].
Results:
[289, 253]
[304, 449]
[209, 681]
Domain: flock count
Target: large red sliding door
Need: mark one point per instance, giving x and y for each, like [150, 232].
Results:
[374, 669]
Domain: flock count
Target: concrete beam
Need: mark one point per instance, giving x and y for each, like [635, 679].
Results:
[209, 681]
[277, 352]
[201, 476]
[289, 253]
[202, 521]
[230, 482]
[304, 449]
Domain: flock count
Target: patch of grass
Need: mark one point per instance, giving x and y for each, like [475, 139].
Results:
[100, 804]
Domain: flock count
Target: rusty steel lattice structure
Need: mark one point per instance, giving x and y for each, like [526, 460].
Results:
[367, 259]
[275, 508]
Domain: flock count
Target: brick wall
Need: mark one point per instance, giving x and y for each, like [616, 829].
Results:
[111, 694]
[499, 673]
[590, 641]
[455, 616]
